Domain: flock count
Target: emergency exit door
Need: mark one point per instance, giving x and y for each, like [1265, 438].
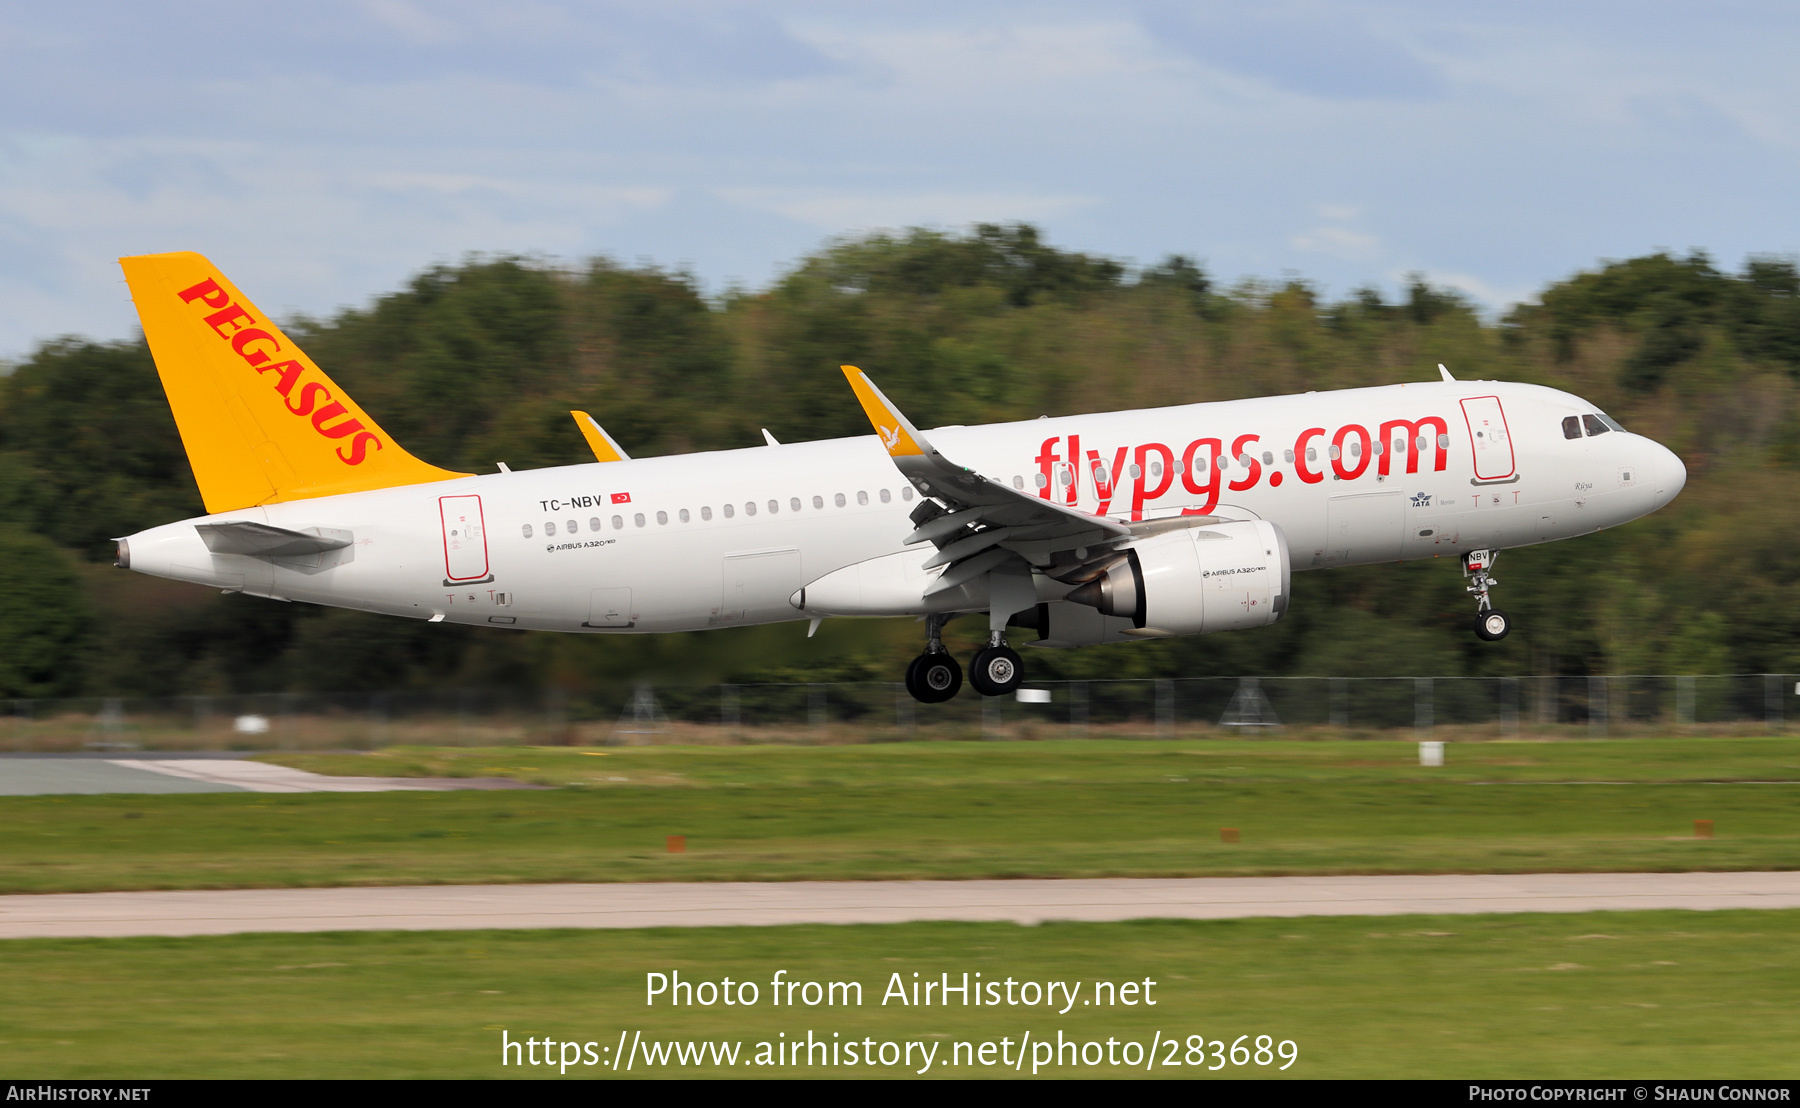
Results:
[1488, 433]
[465, 540]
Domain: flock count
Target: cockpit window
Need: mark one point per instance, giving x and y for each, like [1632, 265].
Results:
[1571, 427]
[1609, 421]
[1594, 426]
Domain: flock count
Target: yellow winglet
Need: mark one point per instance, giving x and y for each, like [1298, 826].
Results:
[261, 422]
[601, 443]
[898, 436]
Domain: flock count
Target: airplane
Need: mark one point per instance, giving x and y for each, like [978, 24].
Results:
[1070, 531]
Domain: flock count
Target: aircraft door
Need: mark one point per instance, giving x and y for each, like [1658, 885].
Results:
[465, 540]
[758, 583]
[1489, 435]
[609, 608]
[1365, 527]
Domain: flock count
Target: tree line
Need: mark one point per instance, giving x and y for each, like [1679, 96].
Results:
[479, 363]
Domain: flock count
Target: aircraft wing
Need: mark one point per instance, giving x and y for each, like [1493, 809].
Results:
[982, 523]
[602, 444]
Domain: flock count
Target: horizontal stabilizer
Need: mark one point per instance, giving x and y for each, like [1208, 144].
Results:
[259, 540]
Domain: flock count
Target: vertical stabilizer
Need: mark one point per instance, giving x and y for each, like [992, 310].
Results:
[261, 422]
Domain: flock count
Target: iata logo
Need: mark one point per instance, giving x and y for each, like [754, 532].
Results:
[232, 323]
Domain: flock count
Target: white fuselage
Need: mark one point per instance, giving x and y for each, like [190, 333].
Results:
[726, 538]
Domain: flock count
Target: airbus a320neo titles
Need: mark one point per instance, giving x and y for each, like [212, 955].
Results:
[1069, 531]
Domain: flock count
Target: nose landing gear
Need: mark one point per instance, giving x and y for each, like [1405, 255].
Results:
[1491, 624]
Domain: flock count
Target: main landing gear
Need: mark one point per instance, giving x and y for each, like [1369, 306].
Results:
[934, 677]
[1491, 624]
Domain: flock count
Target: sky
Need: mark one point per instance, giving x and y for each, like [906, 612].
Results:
[322, 153]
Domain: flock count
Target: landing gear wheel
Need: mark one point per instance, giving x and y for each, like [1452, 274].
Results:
[996, 670]
[934, 677]
[1492, 625]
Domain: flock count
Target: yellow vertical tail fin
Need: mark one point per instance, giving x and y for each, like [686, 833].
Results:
[261, 423]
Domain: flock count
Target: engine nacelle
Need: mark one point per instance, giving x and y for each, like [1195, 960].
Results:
[1221, 577]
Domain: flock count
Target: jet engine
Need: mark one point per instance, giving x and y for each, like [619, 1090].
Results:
[1220, 577]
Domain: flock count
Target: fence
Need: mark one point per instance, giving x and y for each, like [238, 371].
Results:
[1444, 707]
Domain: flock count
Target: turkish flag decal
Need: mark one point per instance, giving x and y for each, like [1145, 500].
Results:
[621, 498]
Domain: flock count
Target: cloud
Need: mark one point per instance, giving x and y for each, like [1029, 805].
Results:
[836, 211]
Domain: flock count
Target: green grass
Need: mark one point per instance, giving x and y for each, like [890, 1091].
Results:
[943, 810]
[1635, 994]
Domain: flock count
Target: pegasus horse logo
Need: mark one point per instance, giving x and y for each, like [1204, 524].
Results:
[890, 436]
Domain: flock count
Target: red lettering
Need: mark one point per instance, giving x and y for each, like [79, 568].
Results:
[1139, 492]
[1255, 467]
[1074, 468]
[1338, 467]
[1309, 476]
[1210, 490]
[1046, 460]
[332, 411]
[359, 448]
[208, 292]
[309, 396]
[230, 313]
[290, 372]
[1412, 446]
[245, 337]
[1105, 480]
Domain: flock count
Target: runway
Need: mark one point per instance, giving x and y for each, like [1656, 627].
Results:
[81, 774]
[726, 904]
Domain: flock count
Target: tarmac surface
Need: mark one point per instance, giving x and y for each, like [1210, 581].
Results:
[41, 776]
[726, 904]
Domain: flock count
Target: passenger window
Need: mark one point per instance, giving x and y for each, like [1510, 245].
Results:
[1594, 426]
[706, 513]
[573, 528]
[906, 493]
[1018, 483]
[1268, 458]
[683, 516]
[1199, 465]
[1380, 448]
[594, 524]
[638, 519]
[794, 503]
[549, 530]
[729, 511]
[1443, 442]
[1135, 472]
[1335, 453]
[1571, 427]
[862, 498]
[838, 500]
[774, 507]
[1356, 450]
[1287, 455]
[818, 502]
[662, 519]
[1155, 470]
[888, 497]
[749, 507]
[528, 530]
[1312, 454]
[618, 523]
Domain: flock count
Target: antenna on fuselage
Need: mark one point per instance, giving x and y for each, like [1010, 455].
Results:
[1445, 372]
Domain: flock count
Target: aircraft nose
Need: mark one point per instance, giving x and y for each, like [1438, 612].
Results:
[1670, 471]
